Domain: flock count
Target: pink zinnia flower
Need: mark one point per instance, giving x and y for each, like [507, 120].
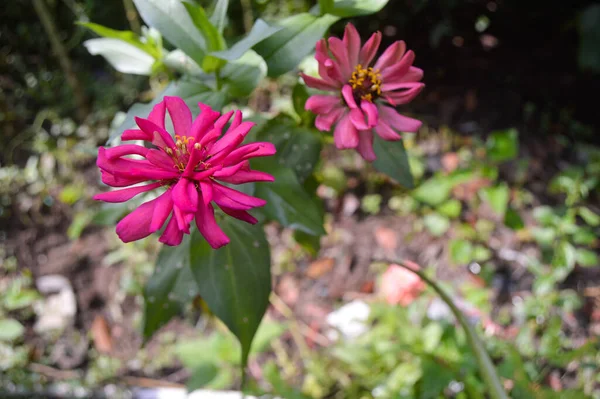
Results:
[190, 167]
[365, 90]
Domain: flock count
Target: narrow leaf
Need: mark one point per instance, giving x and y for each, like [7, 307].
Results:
[124, 35]
[219, 16]
[124, 57]
[260, 31]
[214, 39]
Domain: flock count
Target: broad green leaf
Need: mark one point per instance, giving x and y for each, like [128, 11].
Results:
[268, 332]
[355, 8]
[497, 197]
[259, 32]
[171, 19]
[219, 16]
[326, 6]
[214, 39]
[461, 251]
[235, 280]
[297, 38]
[436, 224]
[191, 91]
[591, 218]
[241, 76]
[201, 376]
[298, 148]
[10, 329]
[218, 347]
[179, 61]
[169, 289]
[287, 202]
[503, 145]
[124, 35]
[450, 208]
[124, 57]
[586, 257]
[393, 161]
[513, 220]
[433, 191]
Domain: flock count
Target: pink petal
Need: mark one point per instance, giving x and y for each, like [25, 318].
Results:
[321, 104]
[172, 235]
[252, 150]
[348, 95]
[231, 170]
[390, 87]
[134, 169]
[345, 134]
[237, 120]
[325, 121]
[317, 83]
[225, 146]
[352, 42]
[241, 215]
[333, 71]
[157, 115]
[204, 122]
[205, 174]
[399, 122]
[125, 194]
[397, 71]
[117, 181]
[207, 192]
[414, 74]
[160, 159]
[391, 55]
[208, 227]
[321, 51]
[125, 149]
[223, 119]
[369, 49]
[225, 196]
[162, 209]
[370, 110]
[160, 137]
[246, 176]
[365, 146]
[405, 96]
[386, 132]
[358, 119]
[136, 225]
[340, 52]
[183, 219]
[135, 134]
[185, 195]
[181, 116]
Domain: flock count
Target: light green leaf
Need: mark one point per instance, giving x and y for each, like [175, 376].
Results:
[241, 76]
[586, 257]
[259, 32]
[461, 251]
[171, 19]
[268, 332]
[297, 38]
[201, 376]
[589, 216]
[450, 208]
[297, 148]
[219, 16]
[124, 35]
[287, 202]
[393, 161]
[326, 6]
[355, 8]
[214, 39]
[436, 224]
[169, 289]
[124, 57]
[299, 97]
[10, 329]
[503, 145]
[433, 191]
[497, 197]
[235, 280]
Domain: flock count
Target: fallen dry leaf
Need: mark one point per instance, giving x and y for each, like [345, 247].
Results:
[320, 267]
[386, 238]
[101, 335]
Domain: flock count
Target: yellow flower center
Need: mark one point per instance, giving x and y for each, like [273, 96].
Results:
[366, 83]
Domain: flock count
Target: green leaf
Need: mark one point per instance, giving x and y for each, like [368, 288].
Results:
[299, 97]
[268, 332]
[461, 251]
[393, 161]
[202, 375]
[450, 208]
[589, 33]
[309, 242]
[287, 202]
[219, 16]
[259, 32]
[171, 19]
[503, 145]
[212, 36]
[124, 35]
[436, 224]
[297, 38]
[124, 57]
[326, 6]
[433, 191]
[586, 257]
[298, 148]
[235, 280]
[243, 75]
[589, 216]
[169, 289]
[355, 8]
[10, 329]
[513, 220]
[497, 197]
[191, 91]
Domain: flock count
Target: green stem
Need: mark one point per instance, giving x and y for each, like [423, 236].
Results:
[487, 369]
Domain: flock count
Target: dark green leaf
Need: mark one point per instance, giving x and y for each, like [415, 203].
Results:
[287, 202]
[202, 375]
[299, 34]
[299, 97]
[220, 15]
[212, 36]
[171, 19]
[298, 148]
[309, 242]
[497, 197]
[235, 280]
[326, 6]
[589, 33]
[243, 75]
[259, 32]
[503, 145]
[513, 220]
[393, 161]
[170, 287]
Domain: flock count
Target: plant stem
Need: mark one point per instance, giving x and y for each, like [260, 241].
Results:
[247, 14]
[487, 369]
[132, 16]
[61, 54]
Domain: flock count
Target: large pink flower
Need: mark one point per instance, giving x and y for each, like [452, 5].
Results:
[190, 168]
[365, 90]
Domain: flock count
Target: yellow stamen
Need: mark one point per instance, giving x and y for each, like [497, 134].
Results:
[365, 82]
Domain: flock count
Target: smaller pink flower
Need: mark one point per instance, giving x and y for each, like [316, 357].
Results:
[400, 286]
[365, 90]
[192, 170]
